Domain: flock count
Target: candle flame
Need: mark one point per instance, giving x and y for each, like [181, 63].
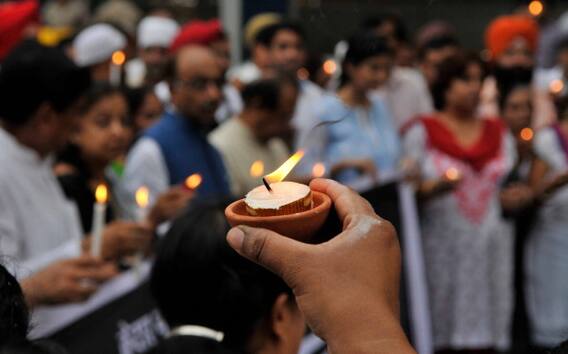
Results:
[526, 134]
[318, 170]
[142, 197]
[193, 181]
[329, 66]
[556, 86]
[101, 193]
[281, 172]
[257, 168]
[452, 174]
[536, 7]
[118, 57]
[303, 74]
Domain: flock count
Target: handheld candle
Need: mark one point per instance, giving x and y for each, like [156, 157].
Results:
[99, 211]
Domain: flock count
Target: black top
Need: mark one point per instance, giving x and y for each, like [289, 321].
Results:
[76, 187]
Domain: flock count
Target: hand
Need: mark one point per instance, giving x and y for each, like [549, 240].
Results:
[70, 280]
[434, 187]
[516, 196]
[556, 183]
[169, 204]
[347, 287]
[122, 238]
[363, 166]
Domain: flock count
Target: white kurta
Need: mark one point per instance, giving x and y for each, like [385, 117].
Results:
[546, 253]
[468, 249]
[38, 225]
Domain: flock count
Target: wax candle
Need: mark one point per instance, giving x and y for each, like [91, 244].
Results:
[99, 212]
[193, 182]
[142, 200]
[117, 60]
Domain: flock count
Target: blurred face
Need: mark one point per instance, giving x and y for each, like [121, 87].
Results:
[103, 132]
[287, 51]
[433, 58]
[463, 95]
[149, 112]
[517, 54]
[155, 59]
[517, 110]
[475, 73]
[53, 130]
[371, 73]
[222, 51]
[272, 124]
[196, 92]
[563, 59]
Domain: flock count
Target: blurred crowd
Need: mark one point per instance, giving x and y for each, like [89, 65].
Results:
[154, 113]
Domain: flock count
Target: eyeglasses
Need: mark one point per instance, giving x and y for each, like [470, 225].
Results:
[201, 83]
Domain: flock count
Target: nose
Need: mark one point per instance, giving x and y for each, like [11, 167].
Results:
[214, 91]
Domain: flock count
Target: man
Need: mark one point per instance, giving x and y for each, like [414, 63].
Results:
[435, 51]
[285, 44]
[39, 229]
[155, 35]
[176, 147]
[93, 48]
[256, 134]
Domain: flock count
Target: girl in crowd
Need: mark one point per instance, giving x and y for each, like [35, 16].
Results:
[546, 263]
[362, 141]
[145, 108]
[101, 135]
[224, 303]
[468, 247]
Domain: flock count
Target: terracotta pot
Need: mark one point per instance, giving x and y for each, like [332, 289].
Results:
[299, 226]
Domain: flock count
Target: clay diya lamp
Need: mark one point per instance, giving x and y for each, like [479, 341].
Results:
[288, 208]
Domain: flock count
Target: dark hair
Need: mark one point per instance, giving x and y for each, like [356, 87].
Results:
[33, 347]
[266, 35]
[361, 47]
[265, 93]
[96, 92]
[400, 32]
[437, 43]
[197, 279]
[451, 69]
[14, 315]
[561, 105]
[33, 74]
[136, 98]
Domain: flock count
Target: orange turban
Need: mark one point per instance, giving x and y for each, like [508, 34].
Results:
[503, 30]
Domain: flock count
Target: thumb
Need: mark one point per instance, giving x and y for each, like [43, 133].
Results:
[267, 248]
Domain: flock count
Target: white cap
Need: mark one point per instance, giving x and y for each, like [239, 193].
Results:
[154, 31]
[95, 44]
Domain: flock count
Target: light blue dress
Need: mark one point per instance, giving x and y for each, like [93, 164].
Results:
[354, 133]
[546, 262]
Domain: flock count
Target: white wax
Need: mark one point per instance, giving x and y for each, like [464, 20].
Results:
[97, 228]
[283, 193]
[114, 75]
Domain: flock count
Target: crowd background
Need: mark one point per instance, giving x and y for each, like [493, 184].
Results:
[137, 121]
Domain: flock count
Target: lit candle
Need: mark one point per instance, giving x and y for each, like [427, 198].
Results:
[526, 134]
[142, 200]
[452, 174]
[99, 212]
[117, 60]
[278, 197]
[193, 182]
[318, 170]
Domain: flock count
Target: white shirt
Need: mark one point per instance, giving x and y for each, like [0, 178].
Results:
[38, 225]
[406, 95]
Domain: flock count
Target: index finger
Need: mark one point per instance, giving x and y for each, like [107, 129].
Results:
[346, 201]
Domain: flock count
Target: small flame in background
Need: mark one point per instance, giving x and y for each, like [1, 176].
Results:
[556, 86]
[118, 57]
[142, 197]
[318, 170]
[101, 193]
[193, 181]
[526, 134]
[329, 67]
[536, 7]
[281, 172]
[257, 168]
[452, 174]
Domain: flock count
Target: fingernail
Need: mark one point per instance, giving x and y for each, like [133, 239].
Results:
[235, 238]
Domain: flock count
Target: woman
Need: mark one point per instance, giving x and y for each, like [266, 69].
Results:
[216, 301]
[145, 108]
[468, 247]
[102, 134]
[360, 143]
[546, 263]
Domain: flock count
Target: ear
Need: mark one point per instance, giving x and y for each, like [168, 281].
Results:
[44, 117]
[281, 317]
